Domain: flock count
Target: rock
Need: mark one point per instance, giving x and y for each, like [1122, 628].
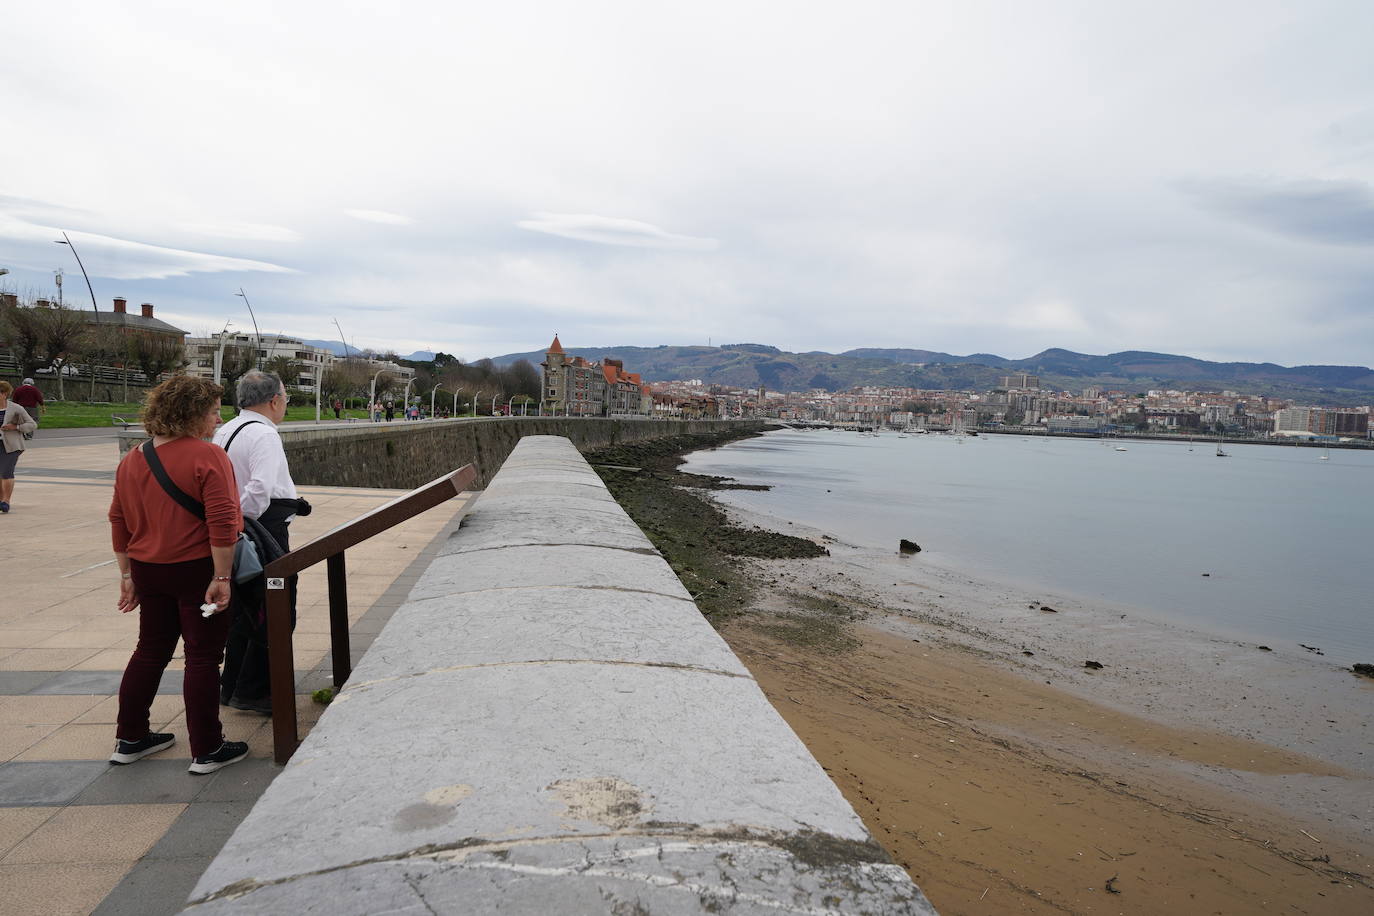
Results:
[908, 547]
[1312, 649]
[1047, 609]
[1093, 665]
[1027, 652]
[1264, 649]
[1205, 575]
[1362, 669]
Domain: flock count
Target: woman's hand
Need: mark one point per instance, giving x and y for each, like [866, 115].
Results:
[217, 594]
[128, 598]
[10, 427]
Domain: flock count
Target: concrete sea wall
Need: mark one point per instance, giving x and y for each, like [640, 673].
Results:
[548, 725]
[405, 454]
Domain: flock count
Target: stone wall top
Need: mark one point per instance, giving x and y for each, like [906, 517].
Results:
[548, 725]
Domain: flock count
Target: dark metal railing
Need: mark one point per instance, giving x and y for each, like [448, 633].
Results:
[330, 548]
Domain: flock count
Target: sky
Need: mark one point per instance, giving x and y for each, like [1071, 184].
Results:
[967, 176]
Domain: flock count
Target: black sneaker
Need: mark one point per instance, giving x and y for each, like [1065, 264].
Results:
[229, 752]
[262, 706]
[129, 751]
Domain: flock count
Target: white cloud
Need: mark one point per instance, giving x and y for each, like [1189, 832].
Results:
[380, 216]
[229, 229]
[123, 259]
[608, 230]
[951, 176]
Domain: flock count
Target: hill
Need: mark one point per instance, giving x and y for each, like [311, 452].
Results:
[749, 365]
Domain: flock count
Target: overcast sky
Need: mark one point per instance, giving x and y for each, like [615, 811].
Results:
[966, 176]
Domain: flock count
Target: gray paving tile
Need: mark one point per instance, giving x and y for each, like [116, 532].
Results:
[200, 831]
[154, 887]
[14, 683]
[152, 781]
[241, 782]
[47, 782]
[88, 683]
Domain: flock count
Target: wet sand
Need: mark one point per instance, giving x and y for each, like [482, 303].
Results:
[1191, 773]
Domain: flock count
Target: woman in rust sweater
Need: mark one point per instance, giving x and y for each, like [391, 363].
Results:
[177, 566]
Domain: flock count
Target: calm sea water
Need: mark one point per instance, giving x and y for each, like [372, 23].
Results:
[1285, 536]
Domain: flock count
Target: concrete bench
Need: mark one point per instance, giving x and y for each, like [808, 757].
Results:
[548, 725]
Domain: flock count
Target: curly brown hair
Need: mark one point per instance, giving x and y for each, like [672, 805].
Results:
[178, 405]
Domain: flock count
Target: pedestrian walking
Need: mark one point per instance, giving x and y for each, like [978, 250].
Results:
[15, 426]
[338, 405]
[174, 521]
[30, 398]
[390, 410]
[267, 494]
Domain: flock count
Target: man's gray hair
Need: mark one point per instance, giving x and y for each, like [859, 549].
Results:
[28, 381]
[258, 387]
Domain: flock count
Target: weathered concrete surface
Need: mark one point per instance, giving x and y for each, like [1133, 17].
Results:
[404, 454]
[549, 725]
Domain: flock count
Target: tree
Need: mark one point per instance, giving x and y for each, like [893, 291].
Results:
[103, 345]
[62, 330]
[525, 379]
[345, 378]
[21, 330]
[155, 354]
[287, 368]
[235, 364]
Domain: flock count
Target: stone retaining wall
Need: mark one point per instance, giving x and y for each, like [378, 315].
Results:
[548, 725]
[405, 454]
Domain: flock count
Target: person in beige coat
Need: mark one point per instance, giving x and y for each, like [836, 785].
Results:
[17, 423]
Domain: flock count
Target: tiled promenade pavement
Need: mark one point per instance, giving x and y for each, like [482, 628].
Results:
[78, 835]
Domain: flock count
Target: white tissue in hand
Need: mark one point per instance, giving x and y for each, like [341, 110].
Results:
[208, 608]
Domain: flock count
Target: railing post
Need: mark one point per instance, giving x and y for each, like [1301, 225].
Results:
[338, 619]
[281, 663]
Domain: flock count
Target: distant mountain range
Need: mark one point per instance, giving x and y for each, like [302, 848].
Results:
[750, 365]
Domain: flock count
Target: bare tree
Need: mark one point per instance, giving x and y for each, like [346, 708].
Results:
[155, 354]
[21, 330]
[64, 330]
[103, 345]
[345, 378]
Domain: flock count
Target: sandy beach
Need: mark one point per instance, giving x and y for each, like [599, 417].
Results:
[1189, 774]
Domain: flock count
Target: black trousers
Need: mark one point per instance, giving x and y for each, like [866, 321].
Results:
[246, 674]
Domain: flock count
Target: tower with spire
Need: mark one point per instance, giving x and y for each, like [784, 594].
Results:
[555, 376]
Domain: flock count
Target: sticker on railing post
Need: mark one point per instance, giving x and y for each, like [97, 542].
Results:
[276, 583]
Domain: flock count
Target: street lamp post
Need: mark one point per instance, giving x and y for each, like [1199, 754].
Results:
[493, 404]
[68, 242]
[405, 399]
[219, 354]
[432, 392]
[256, 335]
[455, 402]
[372, 392]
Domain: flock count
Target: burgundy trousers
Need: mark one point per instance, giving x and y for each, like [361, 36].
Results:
[170, 596]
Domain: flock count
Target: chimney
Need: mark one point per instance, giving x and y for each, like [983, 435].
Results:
[120, 305]
[147, 309]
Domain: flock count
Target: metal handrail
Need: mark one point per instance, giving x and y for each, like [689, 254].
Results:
[330, 548]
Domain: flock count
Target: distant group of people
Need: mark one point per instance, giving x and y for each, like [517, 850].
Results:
[179, 508]
[18, 420]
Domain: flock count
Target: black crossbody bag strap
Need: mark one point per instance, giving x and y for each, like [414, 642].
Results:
[235, 434]
[192, 506]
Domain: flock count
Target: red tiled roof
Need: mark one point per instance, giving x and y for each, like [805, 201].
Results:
[555, 347]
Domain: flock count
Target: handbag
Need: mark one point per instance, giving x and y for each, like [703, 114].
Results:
[247, 563]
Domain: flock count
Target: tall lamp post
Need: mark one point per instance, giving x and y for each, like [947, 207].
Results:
[405, 399]
[256, 334]
[68, 242]
[455, 402]
[372, 392]
[432, 392]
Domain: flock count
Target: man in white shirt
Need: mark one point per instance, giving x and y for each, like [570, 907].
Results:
[268, 494]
